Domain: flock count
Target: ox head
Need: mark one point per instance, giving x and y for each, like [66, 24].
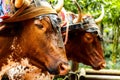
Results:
[48, 48]
[84, 44]
[38, 39]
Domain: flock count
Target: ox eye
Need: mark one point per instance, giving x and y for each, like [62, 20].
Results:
[59, 20]
[38, 24]
[88, 38]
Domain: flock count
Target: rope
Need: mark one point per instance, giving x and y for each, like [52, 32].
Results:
[29, 13]
[20, 10]
[67, 30]
[66, 36]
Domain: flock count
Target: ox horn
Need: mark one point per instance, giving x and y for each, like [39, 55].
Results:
[59, 5]
[79, 12]
[101, 16]
[19, 3]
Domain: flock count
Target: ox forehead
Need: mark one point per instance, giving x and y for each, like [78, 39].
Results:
[55, 21]
[88, 24]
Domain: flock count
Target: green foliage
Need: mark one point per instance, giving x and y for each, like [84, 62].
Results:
[112, 21]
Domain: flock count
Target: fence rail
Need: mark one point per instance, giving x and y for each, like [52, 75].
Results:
[90, 74]
[101, 77]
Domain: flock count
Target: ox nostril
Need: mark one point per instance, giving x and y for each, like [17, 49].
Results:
[63, 68]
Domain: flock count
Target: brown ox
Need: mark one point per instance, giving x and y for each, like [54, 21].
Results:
[37, 38]
[84, 44]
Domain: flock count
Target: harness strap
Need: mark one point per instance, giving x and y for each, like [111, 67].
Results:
[73, 27]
